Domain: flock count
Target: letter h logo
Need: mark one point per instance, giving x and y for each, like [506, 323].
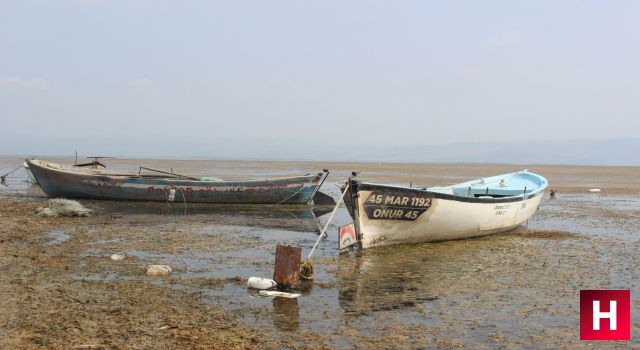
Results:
[605, 315]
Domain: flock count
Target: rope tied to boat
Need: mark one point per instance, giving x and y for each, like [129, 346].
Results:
[171, 197]
[291, 196]
[3, 178]
[303, 187]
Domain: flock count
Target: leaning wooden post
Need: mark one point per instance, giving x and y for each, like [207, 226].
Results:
[306, 271]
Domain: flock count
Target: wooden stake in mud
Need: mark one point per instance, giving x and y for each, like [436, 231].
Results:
[287, 270]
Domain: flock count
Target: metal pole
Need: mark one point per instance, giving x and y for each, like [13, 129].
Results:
[346, 189]
[326, 171]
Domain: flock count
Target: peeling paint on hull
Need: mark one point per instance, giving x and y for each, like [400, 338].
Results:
[70, 184]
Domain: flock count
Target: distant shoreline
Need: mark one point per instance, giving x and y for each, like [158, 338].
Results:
[316, 160]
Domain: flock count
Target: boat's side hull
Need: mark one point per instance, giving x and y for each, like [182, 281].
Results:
[32, 178]
[387, 217]
[56, 183]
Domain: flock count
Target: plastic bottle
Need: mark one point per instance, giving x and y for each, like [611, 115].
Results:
[260, 283]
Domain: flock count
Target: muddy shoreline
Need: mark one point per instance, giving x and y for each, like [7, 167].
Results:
[512, 290]
[47, 309]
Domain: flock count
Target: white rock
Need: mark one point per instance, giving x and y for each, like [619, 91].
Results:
[159, 270]
[117, 257]
[594, 190]
[260, 283]
[63, 207]
[46, 212]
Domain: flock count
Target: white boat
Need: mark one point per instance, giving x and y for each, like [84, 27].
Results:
[386, 215]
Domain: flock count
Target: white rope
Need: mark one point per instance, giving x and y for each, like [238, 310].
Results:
[346, 189]
[3, 178]
[293, 195]
[12, 171]
[184, 199]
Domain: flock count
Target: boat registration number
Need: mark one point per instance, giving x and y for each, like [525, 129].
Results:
[393, 206]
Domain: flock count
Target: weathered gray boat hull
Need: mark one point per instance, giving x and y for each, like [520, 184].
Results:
[60, 182]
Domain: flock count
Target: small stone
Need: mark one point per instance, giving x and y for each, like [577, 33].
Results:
[159, 270]
[117, 257]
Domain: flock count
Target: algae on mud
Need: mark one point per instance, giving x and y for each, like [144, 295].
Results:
[513, 290]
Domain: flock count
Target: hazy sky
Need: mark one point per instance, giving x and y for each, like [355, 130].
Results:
[249, 74]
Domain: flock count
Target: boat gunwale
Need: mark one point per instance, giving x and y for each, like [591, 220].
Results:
[368, 186]
[306, 177]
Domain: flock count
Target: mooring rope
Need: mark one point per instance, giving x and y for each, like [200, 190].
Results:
[4, 177]
[168, 188]
[184, 199]
[306, 270]
[291, 196]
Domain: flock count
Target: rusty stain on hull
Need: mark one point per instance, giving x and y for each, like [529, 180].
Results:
[70, 184]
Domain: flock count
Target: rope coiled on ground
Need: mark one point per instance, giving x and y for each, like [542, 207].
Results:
[306, 270]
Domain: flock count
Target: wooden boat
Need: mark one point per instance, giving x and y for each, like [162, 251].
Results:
[96, 183]
[94, 164]
[30, 176]
[386, 215]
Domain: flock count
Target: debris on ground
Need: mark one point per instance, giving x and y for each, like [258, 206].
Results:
[117, 257]
[261, 283]
[159, 270]
[63, 207]
[273, 293]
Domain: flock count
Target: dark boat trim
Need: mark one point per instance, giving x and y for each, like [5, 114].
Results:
[357, 186]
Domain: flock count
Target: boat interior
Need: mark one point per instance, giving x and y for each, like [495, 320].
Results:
[506, 185]
[144, 172]
[80, 170]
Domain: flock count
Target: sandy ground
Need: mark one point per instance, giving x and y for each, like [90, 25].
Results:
[515, 290]
[42, 308]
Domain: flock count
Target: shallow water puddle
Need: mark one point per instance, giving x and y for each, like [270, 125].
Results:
[473, 290]
[57, 237]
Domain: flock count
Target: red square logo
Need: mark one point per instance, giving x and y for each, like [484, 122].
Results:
[605, 315]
